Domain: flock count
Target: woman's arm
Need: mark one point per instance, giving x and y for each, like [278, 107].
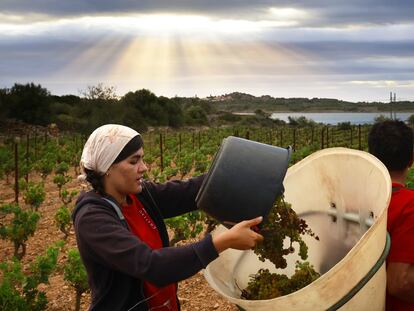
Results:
[103, 238]
[173, 198]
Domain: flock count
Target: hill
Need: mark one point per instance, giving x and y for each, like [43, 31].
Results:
[242, 102]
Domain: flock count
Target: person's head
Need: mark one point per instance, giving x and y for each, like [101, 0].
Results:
[112, 160]
[392, 143]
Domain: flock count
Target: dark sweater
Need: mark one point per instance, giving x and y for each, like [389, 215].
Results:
[117, 261]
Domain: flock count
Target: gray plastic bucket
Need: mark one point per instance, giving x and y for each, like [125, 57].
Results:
[244, 180]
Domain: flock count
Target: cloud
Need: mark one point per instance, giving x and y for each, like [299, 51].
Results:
[320, 13]
[314, 48]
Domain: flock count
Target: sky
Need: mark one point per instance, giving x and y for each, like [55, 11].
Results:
[356, 50]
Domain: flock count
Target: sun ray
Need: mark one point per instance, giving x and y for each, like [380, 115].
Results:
[170, 54]
[94, 61]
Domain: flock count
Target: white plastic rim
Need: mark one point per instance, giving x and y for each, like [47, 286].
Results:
[352, 181]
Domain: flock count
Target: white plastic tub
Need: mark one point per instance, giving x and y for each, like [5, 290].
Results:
[343, 194]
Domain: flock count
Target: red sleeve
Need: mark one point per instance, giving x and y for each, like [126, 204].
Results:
[402, 238]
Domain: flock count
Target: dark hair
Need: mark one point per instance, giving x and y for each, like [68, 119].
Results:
[96, 180]
[132, 146]
[392, 143]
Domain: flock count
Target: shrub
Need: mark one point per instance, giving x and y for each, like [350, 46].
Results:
[63, 220]
[19, 290]
[21, 227]
[75, 274]
[34, 195]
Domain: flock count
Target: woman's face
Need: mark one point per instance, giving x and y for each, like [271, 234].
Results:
[126, 176]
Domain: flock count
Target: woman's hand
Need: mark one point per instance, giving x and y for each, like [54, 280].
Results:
[240, 236]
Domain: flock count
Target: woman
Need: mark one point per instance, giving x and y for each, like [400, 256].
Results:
[120, 232]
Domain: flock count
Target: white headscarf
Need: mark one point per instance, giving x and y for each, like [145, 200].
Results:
[103, 147]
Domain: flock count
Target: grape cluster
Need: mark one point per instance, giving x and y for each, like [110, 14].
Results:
[266, 285]
[281, 223]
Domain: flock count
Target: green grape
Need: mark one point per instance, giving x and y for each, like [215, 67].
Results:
[266, 285]
[282, 223]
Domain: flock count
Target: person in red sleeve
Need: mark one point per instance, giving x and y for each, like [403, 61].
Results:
[120, 229]
[392, 143]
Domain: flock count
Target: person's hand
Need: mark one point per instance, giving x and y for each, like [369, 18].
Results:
[240, 236]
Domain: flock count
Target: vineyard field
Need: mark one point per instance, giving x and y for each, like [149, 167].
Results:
[38, 181]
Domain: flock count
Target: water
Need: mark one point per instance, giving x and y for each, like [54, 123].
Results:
[337, 117]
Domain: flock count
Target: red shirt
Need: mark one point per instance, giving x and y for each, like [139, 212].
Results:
[400, 225]
[145, 229]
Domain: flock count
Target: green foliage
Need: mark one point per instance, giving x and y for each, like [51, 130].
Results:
[22, 184]
[381, 118]
[229, 117]
[174, 113]
[185, 226]
[68, 122]
[260, 112]
[141, 108]
[410, 120]
[63, 220]
[100, 92]
[45, 166]
[158, 176]
[410, 178]
[148, 105]
[344, 126]
[20, 228]
[62, 168]
[301, 121]
[60, 180]
[6, 162]
[19, 290]
[34, 195]
[4, 105]
[170, 172]
[75, 275]
[10, 297]
[196, 115]
[185, 164]
[303, 153]
[67, 196]
[30, 103]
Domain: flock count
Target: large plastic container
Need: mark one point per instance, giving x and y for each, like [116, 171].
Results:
[243, 181]
[343, 194]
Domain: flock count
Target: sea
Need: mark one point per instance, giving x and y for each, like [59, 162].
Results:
[338, 117]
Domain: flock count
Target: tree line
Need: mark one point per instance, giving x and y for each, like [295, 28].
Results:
[140, 109]
[97, 105]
